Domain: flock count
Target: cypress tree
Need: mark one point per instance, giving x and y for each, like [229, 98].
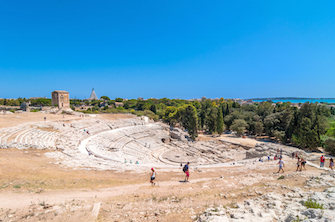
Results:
[227, 110]
[219, 122]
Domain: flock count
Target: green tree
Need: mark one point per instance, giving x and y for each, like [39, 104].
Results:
[95, 108]
[259, 128]
[308, 137]
[126, 105]
[330, 145]
[331, 130]
[265, 109]
[211, 120]
[153, 108]
[189, 119]
[118, 100]
[140, 105]
[170, 115]
[280, 135]
[104, 98]
[219, 122]
[239, 125]
[271, 123]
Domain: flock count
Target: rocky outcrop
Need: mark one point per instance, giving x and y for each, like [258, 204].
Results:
[271, 149]
[178, 134]
[297, 205]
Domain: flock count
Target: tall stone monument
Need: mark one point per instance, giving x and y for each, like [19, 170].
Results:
[93, 96]
[60, 98]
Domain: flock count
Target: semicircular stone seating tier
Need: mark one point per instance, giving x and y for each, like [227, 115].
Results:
[57, 135]
[24, 137]
[136, 143]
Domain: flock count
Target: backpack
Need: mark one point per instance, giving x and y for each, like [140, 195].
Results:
[185, 168]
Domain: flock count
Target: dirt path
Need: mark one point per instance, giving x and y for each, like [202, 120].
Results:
[10, 200]
[231, 138]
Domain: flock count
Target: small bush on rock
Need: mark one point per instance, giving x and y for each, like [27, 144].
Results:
[313, 204]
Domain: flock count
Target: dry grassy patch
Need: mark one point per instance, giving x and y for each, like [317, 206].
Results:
[33, 171]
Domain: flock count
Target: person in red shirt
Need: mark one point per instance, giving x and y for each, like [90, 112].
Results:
[322, 161]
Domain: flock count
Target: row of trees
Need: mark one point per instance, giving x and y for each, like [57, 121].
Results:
[309, 127]
[17, 102]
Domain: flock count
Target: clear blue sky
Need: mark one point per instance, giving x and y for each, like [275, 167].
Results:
[176, 49]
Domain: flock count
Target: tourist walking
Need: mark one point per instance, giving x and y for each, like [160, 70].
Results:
[293, 155]
[331, 163]
[322, 161]
[153, 176]
[303, 163]
[281, 165]
[299, 164]
[187, 171]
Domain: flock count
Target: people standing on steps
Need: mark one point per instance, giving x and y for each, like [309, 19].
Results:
[322, 161]
[331, 163]
[153, 176]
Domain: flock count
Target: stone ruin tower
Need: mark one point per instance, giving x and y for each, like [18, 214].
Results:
[60, 98]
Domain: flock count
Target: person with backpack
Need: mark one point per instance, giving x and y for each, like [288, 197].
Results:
[186, 171]
[322, 161]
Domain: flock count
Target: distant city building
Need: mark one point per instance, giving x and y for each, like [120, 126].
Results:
[239, 101]
[82, 108]
[60, 98]
[248, 102]
[93, 96]
[103, 103]
[37, 97]
[119, 104]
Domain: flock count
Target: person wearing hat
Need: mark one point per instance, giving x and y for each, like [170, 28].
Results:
[153, 176]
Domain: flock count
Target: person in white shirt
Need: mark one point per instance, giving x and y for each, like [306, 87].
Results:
[281, 165]
[153, 176]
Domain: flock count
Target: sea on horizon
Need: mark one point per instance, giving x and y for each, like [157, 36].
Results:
[300, 100]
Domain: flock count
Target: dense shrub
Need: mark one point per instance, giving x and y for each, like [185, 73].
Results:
[330, 145]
